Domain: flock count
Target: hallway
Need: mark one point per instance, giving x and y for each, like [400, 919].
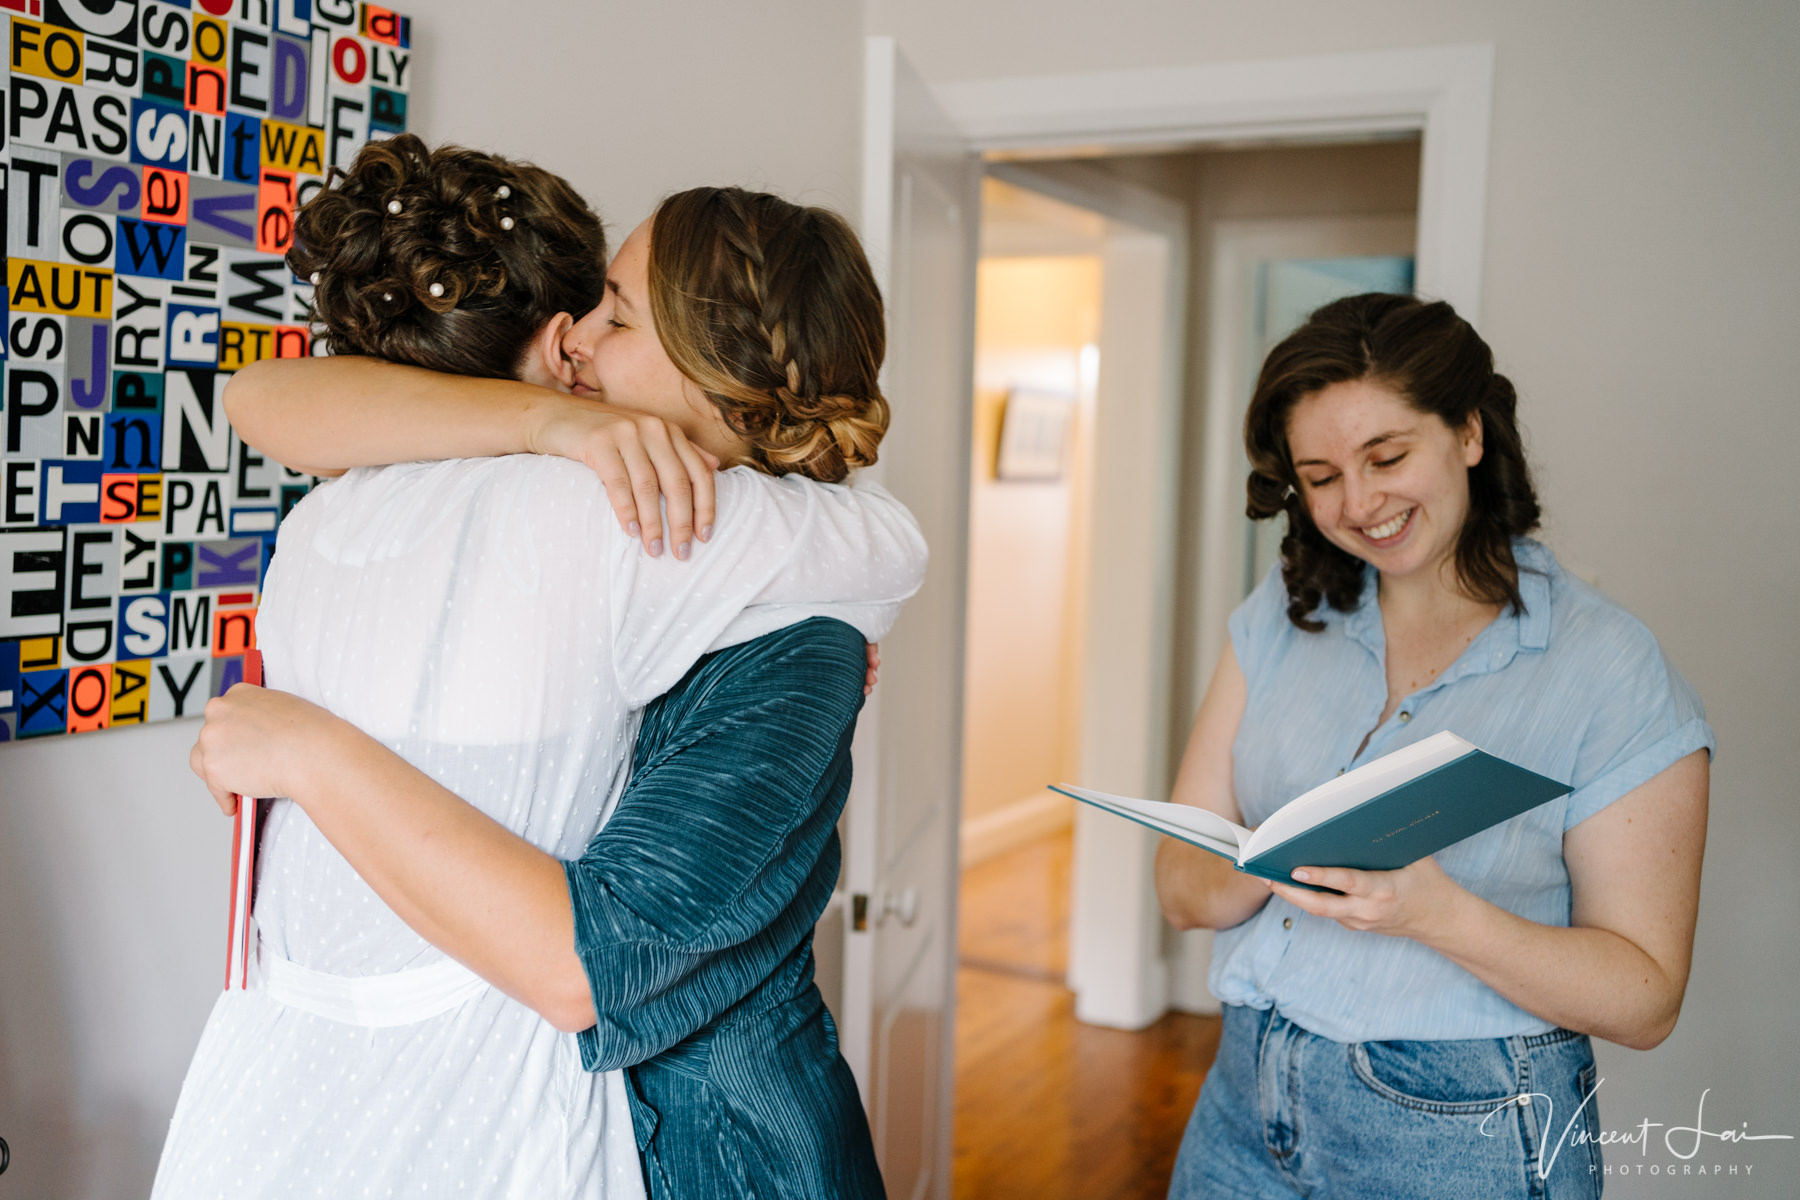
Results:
[1048, 1108]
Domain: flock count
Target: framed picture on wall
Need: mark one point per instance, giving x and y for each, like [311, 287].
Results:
[1034, 436]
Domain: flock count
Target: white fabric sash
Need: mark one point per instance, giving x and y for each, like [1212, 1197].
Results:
[373, 1001]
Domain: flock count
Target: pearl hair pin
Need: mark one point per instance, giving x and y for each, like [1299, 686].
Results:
[387, 295]
[506, 222]
[505, 193]
[394, 207]
[315, 279]
[436, 289]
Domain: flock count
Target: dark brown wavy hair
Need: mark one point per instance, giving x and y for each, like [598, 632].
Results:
[508, 246]
[771, 308]
[1439, 364]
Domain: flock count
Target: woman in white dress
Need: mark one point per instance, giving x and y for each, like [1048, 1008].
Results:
[489, 626]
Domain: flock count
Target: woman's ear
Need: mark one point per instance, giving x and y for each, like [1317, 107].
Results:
[1471, 440]
[546, 361]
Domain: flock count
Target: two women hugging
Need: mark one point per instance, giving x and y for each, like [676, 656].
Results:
[558, 800]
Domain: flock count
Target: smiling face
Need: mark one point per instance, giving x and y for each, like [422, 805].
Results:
[617, 356]
[1382, 480]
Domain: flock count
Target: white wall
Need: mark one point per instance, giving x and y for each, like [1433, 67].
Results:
[113, 877]
[633, 101]
[113, 860]
[1642, 288]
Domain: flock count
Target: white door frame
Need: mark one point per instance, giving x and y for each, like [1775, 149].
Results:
[1444, 93]
[920, 191]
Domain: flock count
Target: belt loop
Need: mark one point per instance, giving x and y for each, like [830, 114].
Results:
[1520, 1051]
[1266, 1026]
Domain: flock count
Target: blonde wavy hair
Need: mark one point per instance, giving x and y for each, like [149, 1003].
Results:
[771, 309]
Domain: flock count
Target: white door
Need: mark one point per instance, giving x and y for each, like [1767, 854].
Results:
[920, 209]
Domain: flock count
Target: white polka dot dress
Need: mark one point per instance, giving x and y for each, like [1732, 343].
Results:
[487, 620]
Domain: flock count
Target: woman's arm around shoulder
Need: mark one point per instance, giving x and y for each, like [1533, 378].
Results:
[341, 411]
[326, 415]
[1198, 889]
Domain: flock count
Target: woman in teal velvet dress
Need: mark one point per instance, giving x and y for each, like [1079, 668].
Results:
[681, 941]
[694, 918]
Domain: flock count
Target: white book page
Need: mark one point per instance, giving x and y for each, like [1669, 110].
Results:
[1184, 820]
[1338, 796]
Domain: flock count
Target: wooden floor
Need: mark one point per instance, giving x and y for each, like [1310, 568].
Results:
[1048, 1108]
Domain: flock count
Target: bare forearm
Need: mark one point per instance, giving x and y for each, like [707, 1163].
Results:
[463, 882]
[340, 412]
[1198, 890]
[1590, 980]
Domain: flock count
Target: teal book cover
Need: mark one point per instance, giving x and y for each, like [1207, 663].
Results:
[1415, 819]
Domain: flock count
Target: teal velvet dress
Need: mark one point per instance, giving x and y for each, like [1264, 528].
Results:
[694, 914]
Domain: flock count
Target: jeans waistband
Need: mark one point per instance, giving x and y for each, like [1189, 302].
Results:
[1264, 1018]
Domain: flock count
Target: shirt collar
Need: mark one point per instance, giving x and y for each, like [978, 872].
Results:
[1498, 644]
[1536, 565]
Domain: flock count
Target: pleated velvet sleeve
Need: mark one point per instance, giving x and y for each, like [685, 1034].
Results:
[722, 852]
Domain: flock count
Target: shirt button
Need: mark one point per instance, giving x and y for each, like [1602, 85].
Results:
[1405, 717]
[1287, 922]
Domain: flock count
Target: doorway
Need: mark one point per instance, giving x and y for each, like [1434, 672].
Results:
[924, 148]
[1096, 608]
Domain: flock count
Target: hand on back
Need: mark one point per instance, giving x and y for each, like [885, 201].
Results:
[652, 472]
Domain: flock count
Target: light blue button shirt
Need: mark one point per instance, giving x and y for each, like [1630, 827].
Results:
[1574, 688]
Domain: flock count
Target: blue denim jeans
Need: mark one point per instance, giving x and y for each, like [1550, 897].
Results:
[1287, 1113]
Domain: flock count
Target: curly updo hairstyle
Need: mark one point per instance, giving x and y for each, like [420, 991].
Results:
[450, 258]
[771, 308]
[1438, 363]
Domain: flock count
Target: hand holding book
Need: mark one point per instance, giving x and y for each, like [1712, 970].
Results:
[1411, 901]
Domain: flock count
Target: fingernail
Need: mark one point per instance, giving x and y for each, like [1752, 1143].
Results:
[634, 529]
[655, 547]
[681, 551]
[1302, 876]
[706, 533]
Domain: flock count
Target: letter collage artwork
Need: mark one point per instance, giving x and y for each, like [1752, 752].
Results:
[152, 158]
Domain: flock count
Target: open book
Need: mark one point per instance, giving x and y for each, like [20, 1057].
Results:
[1382, 816]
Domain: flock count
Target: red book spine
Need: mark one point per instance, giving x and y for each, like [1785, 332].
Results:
[244, 834]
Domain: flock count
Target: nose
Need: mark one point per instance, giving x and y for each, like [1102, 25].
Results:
[1362, 498]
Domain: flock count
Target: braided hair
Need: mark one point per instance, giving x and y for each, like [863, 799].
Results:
[772, 310]
[450, 258]
[1438, 363]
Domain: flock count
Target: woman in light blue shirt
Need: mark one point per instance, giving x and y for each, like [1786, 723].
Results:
[1426, 1033]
